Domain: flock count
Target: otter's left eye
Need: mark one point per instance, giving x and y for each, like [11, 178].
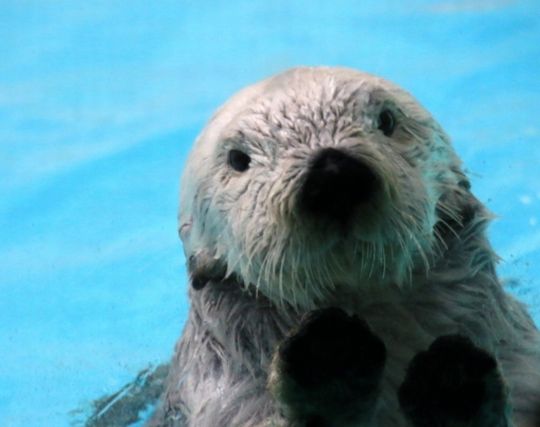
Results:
[387, 122]
[239, 160]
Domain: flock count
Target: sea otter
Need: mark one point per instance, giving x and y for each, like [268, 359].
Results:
[340, 271]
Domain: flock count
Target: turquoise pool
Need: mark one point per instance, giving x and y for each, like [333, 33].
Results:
[99, 104]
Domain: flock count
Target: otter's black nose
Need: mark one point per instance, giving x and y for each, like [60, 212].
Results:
[336, 184]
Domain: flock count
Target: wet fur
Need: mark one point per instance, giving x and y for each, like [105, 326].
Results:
[417, 266]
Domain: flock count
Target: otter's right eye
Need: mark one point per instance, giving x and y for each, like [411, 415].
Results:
[239, 160]
[387, 122]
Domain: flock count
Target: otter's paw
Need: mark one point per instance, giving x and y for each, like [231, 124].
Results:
[454, 383]
[329, 369]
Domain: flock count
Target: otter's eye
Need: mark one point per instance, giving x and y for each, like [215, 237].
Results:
[387, 122]
[239, 160]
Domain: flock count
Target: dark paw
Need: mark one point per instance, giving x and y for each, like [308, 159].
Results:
[332, 347]
[450, 381]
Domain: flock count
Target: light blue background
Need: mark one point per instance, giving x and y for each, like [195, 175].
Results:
[100, 102]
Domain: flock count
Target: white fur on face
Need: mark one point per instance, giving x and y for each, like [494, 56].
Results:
[250, 221]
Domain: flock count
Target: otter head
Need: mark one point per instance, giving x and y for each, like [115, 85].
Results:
[318, 179]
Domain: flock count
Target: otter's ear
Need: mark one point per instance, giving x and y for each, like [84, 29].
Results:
[203, 265]
[458, 210]
[204, 268]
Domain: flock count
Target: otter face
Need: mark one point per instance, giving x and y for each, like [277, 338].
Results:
[316, 179]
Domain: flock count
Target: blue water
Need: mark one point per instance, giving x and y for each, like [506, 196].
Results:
[99, 105]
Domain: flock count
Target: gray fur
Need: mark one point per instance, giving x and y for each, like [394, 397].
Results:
[415, 265]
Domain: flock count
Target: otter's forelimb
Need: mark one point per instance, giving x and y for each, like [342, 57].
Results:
[328, 372]
[455, 384]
